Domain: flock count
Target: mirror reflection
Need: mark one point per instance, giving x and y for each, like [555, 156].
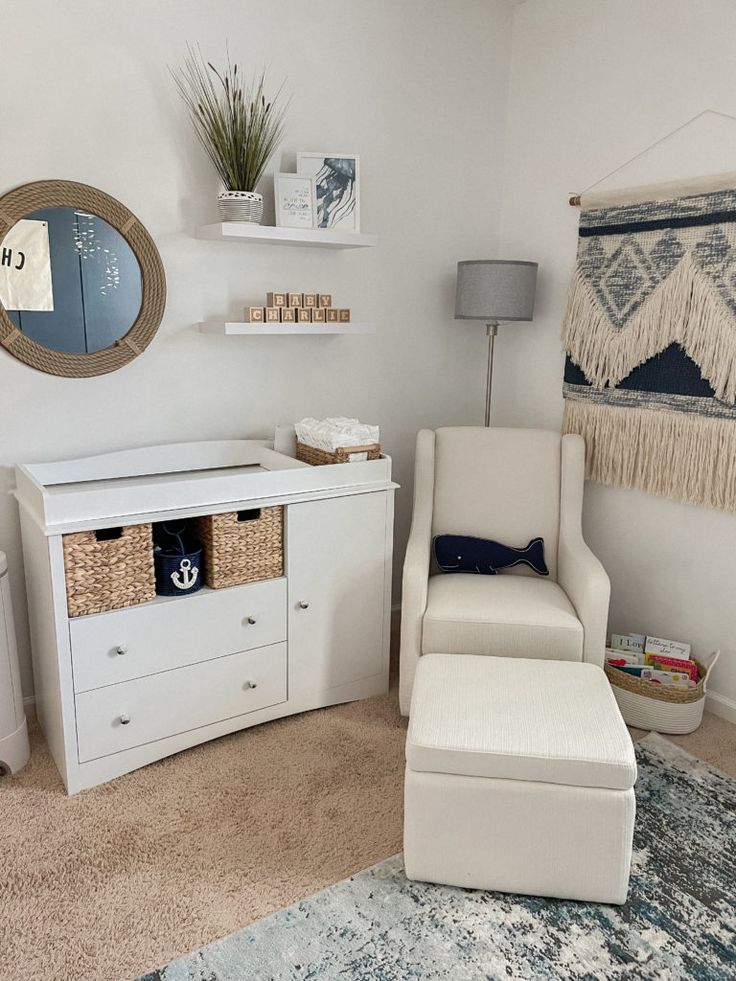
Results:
[69, 280]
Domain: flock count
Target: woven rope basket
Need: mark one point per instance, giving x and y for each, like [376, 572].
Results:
[108, 574]
[661, 708]
[242, 546]
[662, 693]
[321, 458]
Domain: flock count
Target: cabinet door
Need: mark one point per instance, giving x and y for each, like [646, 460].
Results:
[337, 583]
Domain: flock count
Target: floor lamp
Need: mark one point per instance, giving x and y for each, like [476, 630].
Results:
[495, 290]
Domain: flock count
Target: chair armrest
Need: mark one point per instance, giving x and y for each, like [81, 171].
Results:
[416, 568]
[588, 588]
[579, 572]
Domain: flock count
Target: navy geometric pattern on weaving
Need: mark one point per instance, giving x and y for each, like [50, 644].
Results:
[670, 372]
[650, 240]
[717, 258]
[623, 280]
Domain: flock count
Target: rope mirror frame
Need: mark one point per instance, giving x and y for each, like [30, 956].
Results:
[26, 199]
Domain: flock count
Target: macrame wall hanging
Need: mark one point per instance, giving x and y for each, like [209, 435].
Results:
[650, 337]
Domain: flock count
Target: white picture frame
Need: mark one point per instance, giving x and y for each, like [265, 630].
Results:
[337, 188]
[296, 201]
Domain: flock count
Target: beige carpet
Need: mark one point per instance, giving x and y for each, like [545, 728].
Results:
[125, 877]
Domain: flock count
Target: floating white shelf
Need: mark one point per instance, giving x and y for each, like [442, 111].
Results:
[228, 327]
[241, 231]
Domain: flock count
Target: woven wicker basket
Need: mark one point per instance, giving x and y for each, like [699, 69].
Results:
[321, 458]
[107, 570]
[242, 546]
[660, 708]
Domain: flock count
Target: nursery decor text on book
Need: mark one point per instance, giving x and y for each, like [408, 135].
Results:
[650, 336]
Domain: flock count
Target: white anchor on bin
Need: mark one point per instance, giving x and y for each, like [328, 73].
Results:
[186, 576]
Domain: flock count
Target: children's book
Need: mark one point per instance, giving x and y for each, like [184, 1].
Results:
[635, 669]
[633, 643]
[670, 679]
[669, 648]
[672, 664]
[617, 658]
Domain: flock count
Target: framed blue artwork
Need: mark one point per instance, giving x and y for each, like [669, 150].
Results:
[337, 187]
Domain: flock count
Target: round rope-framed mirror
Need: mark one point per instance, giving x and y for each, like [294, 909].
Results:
[82, 285]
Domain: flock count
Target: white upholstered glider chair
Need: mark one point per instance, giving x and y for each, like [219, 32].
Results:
[510, 485]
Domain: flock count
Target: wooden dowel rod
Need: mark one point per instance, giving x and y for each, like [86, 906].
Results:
[575, 201]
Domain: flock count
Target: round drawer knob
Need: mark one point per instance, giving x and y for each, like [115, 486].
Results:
[121, 650]
[124, 719]
[251, 684]
[251, 620]
[303, 605]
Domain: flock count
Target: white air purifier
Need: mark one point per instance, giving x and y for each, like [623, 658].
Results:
[14, 748]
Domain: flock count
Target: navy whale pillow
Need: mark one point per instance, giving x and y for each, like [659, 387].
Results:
[463, 553]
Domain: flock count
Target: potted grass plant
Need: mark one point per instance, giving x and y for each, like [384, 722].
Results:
[239, 127]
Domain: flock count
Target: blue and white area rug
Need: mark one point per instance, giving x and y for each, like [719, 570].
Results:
[679, 921]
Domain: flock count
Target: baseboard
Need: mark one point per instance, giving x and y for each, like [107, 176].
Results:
[721, 706]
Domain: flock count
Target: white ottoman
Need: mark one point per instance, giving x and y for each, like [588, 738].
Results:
[519, 778]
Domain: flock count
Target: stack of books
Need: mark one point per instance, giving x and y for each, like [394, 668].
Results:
[663, 662]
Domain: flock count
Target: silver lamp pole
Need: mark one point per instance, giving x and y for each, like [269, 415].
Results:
[491, 330]
[495, 290]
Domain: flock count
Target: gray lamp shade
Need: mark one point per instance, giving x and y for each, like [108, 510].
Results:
[495, 289]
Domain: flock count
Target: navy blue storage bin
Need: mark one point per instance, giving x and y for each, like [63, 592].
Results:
[177, 560]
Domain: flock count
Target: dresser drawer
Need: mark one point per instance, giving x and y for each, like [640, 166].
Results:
[120, 717]
[110, 648]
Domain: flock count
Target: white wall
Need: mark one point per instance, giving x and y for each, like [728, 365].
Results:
[416, 88]
[592, 84]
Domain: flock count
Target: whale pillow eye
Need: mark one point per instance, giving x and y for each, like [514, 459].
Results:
[464, 553]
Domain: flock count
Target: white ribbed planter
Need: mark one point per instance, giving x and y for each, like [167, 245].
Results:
[240, 206]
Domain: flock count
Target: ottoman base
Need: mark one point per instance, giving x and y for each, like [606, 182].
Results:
[540, 839]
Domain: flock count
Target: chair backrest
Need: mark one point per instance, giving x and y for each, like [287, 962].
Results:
[502, 484]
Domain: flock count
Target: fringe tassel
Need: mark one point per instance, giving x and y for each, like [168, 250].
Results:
[687, 457]
[685, 309]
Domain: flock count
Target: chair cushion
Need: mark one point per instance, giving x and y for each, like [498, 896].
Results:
[518, 719]
[513, 616]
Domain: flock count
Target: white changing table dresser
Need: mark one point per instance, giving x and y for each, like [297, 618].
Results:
[117, 690]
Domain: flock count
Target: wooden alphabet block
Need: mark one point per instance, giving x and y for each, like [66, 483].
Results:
[254, 315]
[318, 315]
[288, 316]
[304, 315]
[275, 299]
[344, 316]
[325, 299]
[273, 315]
[296, 300]
[311, 300]
[331, 315]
